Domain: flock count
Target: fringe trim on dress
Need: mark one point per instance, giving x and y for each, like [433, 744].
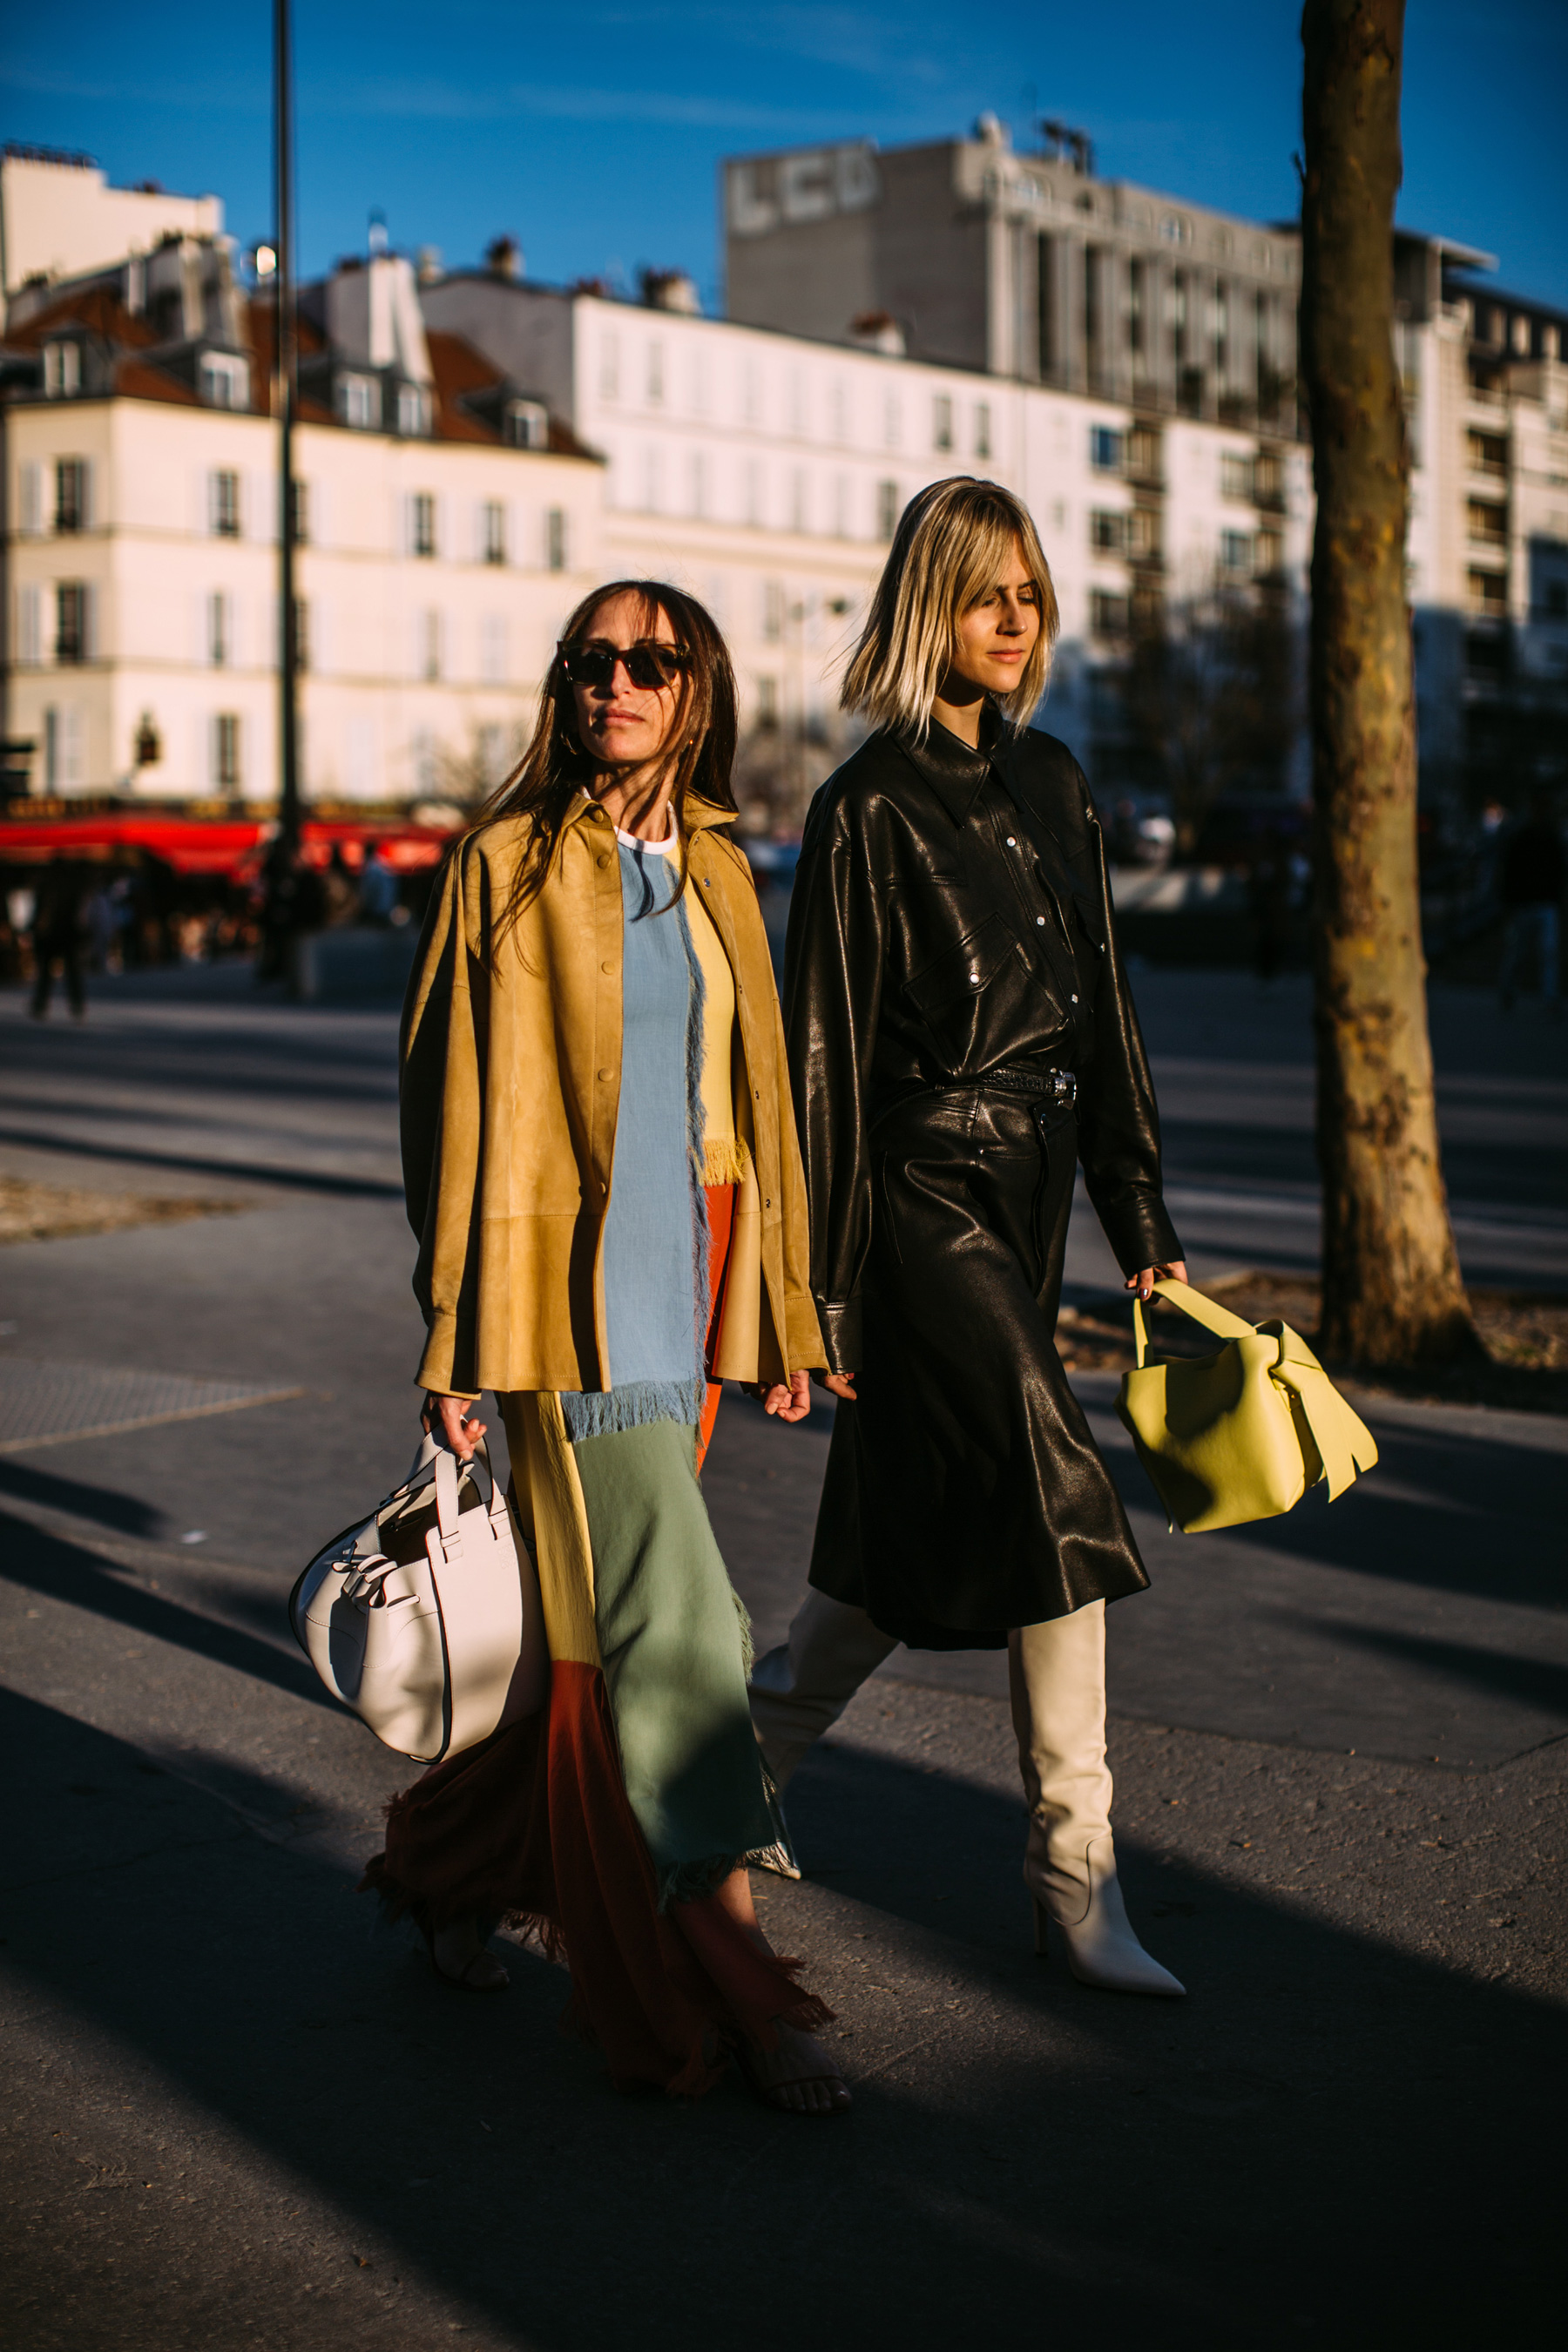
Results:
[726, 1159]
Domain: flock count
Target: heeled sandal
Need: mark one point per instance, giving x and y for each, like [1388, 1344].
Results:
[464, 1981]
[764, 2090]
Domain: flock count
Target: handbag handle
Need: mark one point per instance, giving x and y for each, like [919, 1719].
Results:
[1208, 1312]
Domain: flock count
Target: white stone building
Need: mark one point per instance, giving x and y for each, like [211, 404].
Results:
[445, 530]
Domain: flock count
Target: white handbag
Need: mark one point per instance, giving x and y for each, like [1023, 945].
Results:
[425, 1617]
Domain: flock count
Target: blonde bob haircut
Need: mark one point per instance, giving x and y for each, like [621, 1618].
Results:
[953, 546]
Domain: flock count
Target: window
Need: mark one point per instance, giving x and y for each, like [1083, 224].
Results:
[219, 630]
[223, 505]
[301, 494]
[359, 402]
[62, 370]
[655, 372]
[225, 380]
[413, 411]
[1489, 592]
[983, 428]
[226, 751]
[886, 509]
[1268, 554]
[1267, 480]
[1487, 523]
[1137, 305]
[31, 500]
[1235, 476]
[429, 662]
[555, 539]
[492, 650]
[1143, 533]
[527, 424]
[70, 494]
[1174, 230]
[1144, 454]
[942, 422]
[609, 368]
[73, 604]
[30, 634]
[65, 763]
[493, 762]
[697, 482]
[1107, 613]
[753, 493]
[773, 610]
[1235, 550]
[302, 634]
[767, 704]
[1555, 601]
[1107, 532]
[797, 499]
[422, 523]
[892, 420]
[1489, 452]
[1106, 448]
[492, 531]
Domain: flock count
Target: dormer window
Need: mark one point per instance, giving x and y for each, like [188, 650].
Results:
[413, 411]
[527, 424]
[225, 380]
[62, 370]
[359, 402]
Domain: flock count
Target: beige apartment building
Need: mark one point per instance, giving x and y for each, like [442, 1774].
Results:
[445, 530]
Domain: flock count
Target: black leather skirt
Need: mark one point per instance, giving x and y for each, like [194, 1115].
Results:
[964, 1494]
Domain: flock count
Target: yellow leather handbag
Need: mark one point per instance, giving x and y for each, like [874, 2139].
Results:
[1240, 1434]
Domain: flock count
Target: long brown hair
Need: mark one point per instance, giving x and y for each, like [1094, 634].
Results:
[555, 768]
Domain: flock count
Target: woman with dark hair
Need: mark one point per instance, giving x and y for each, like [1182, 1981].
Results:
[961, 1035]
[602, 1169]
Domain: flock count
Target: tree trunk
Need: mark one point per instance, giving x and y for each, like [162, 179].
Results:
[1392, 1289]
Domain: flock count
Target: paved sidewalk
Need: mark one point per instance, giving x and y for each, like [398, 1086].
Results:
[241, 2114]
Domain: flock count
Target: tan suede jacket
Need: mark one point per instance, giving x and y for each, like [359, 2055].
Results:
[510, 1081]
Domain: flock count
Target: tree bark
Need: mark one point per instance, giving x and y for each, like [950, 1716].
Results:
[1392, 1289]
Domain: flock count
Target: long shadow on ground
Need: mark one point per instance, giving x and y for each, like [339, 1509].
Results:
[1329, 2144]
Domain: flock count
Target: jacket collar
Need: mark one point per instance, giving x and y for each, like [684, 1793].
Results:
[953, 771]
[701, 816]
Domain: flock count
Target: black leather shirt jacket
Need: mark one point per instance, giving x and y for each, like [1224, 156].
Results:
[951, 917]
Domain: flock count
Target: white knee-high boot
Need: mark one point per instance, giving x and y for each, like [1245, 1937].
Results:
[1057, 1672]
[799, 1690]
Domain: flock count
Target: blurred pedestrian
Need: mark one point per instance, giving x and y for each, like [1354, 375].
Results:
[960, 1034]
[59, 939]
[378, 891]
[1268, 896]
[1532, 876]
[593, 1000]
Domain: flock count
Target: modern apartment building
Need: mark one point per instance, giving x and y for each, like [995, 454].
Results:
[767, 469]
[445, 530]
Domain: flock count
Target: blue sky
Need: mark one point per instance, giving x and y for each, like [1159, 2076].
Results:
[592, 133]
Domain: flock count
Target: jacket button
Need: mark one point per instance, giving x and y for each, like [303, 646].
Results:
[1075, 1000]
[1011, 842]
[604, 861]
[1039, 919]
[606, 965]
[605, 1075]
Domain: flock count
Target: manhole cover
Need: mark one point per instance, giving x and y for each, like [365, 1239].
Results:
[43, 1404]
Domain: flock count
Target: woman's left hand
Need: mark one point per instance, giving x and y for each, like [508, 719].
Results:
[1143, 1282]
[791, 1401]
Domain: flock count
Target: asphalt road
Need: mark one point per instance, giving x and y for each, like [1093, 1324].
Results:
[240, 2113]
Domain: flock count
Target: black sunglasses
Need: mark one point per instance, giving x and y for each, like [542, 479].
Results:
[646, 665]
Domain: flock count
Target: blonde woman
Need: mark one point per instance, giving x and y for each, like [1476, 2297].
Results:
[961, 1035]
[602, 1173]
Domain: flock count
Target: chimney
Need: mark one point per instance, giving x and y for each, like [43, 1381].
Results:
[503, 258]
[877, 331]
[670, 290]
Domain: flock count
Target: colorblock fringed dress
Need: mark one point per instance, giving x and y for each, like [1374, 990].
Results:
[602, 1822]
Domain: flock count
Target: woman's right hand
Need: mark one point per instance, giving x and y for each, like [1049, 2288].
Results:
[447, 1419]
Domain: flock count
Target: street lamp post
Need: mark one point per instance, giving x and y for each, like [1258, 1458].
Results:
[287, 375]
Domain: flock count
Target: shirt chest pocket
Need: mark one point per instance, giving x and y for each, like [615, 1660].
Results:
[970, 996]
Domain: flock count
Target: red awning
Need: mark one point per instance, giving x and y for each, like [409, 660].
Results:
[231, 846]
